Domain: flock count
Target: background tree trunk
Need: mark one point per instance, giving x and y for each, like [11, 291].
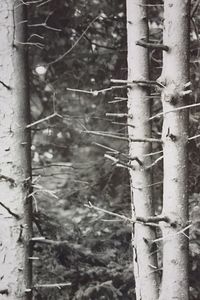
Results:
[175, 138]
[139, 112]
[15, 158]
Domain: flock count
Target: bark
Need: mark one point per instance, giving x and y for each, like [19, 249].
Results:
[145, 264]
[175, 136]
[15, 159]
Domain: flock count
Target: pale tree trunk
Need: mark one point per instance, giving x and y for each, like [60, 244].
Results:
[146, 278]
[15, 159]
[175, 137]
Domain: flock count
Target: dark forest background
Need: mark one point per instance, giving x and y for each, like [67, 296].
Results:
[76, 48]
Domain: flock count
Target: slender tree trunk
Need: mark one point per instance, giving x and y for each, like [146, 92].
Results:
[145, 263]
[175, 136]
[15, 159]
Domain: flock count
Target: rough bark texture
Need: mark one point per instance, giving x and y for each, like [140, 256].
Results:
[175, 135]
[15, 159]
[139, 112]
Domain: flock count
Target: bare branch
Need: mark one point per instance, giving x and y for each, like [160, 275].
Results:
[58, 164]
[43, 3]
[105, 147]
[144, 220]
[145, 140]
[33, 258]
[139, 82]
[117, 162]
[154, 163]
[91, 206]
[172, 235]
[38, 239]
[107, 135]
[151, 45]
[44, 24]
[52, 193]
[38, 45]
[118, 115]
[154, 153]
[43, 120]
[97, 92]
[35, 35]
[117, 101]
[175, 109]
[194, 137]
[194, 9]
[76, 43]
[123, 124]
[52, 285]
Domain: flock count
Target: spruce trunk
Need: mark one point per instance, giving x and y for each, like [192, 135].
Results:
[175, 77]
[15, 158]
[145, 262]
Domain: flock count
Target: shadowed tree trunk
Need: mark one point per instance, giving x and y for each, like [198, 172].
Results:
[145, 263]
[15, 159]
[175, 137]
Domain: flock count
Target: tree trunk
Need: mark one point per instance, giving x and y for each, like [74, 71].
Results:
[145, 263]
[175, 138]
[15, 158]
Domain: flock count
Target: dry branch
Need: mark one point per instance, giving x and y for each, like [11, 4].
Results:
[142, 140]
[141, 82]
[175, 109]
[52, 285]
[151, 45]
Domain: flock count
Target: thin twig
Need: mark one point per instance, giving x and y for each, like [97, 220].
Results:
[153, 153]
[91, 206]
[118, 115]
[97, 92]
[194, 9]
[150, 45]
[39, 45]
[194, 137]
[58, 164]
[107, 148]
[145, 140]
[43, 120]
[117, 162]
[123, 124]
[44, 24]
[139, 82]
[117, 100]
[43, 191]
[52, 285]
[145, 220]
[47, 1]
[106, 135]
[154, 163]
[77, 41]
[37, 239]
[173, 110]
[172, 235]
